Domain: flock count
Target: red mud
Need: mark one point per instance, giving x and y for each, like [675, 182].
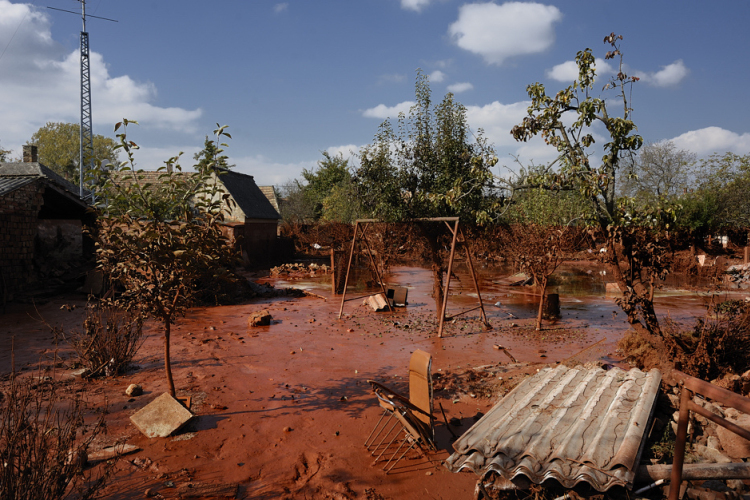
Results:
[284, 410]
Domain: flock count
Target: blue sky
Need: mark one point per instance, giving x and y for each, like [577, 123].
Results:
[294, 78]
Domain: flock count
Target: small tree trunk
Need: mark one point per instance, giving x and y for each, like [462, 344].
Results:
[543, 286]
[437, 287]
[167, 362]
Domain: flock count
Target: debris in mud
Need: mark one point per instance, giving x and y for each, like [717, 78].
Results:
[376, 302]
[487, 382]
[259, 318]
[740, 275]
[134, 390]
[299, 270]
[111, 452]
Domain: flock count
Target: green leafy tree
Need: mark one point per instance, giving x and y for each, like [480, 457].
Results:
[58, 147]
[637, 254]
[431, 167]
[164, 260]
[332, 171]
[342, 203]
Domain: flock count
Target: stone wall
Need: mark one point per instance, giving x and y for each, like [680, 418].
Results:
[18, 228]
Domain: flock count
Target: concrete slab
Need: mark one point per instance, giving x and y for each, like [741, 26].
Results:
[161, 417]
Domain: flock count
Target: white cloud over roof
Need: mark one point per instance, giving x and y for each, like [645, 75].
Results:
[498, 32]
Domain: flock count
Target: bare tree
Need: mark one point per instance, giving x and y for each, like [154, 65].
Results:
[659, 170]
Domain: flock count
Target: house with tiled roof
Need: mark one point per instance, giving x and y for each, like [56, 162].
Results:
[270, 193]
[41, 222]
[251, 220]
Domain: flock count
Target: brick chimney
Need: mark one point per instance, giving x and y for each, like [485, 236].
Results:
[29, 154]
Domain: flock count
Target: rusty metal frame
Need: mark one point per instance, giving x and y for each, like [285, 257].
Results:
[455, 231]
[365, 224]
[690, 386]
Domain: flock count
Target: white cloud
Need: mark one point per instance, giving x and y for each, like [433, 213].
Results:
[457, 88]
[280, 7]
[498, 32]
[40, 82]
[268, 172]
[382, 111]
[667, 76]
[710, 140]
[415, 5]
[568, 71]
[497, 120]
[437, 76]
[349, 152]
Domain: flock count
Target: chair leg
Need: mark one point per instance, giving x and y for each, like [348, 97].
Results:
[413, 442]
[398, 433]
[367, 441]
[385, 436]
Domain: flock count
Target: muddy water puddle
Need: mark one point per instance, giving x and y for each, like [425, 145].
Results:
[589, 315]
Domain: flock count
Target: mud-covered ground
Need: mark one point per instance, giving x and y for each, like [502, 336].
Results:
[283, 410]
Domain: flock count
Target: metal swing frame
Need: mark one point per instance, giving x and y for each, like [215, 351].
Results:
[453, 226]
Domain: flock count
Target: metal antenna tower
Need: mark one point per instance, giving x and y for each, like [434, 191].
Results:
[86, 128]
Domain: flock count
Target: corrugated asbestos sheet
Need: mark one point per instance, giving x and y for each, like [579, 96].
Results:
[569, 424]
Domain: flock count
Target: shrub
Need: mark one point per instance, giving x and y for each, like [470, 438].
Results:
[109, 341]
[43, 442]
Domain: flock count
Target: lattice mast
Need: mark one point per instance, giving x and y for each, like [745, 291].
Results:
[86, 152]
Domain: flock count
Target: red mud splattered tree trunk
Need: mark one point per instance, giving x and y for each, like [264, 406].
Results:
[539, 250]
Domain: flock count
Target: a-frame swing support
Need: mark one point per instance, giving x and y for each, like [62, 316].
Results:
[360, 232]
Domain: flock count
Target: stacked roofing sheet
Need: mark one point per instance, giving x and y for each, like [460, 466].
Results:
[568, 424]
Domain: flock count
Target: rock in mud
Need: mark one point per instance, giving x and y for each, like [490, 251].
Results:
[134, 390]
[734, 445]
[259, 318]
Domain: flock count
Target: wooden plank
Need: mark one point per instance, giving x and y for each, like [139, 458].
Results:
[739, 470]
[727, 398]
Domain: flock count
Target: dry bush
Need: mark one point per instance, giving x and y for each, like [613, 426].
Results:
[717, 344]
[43, 442]
[109, 341]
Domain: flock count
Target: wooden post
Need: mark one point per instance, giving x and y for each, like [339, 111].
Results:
[747, 255]
[679, 446]
[333, 271]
